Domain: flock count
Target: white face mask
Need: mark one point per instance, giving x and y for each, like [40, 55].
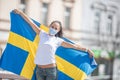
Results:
[52, 31]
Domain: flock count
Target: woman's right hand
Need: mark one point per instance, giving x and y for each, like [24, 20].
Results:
[91, 53]
[26, 18]
[17, 11]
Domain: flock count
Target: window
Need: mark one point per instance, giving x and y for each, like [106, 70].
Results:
[102, 69]
[118, 30]
[118, 33]
[23, 5]
[44, 13]
[109, 25]
[67, 17]
[97, 22]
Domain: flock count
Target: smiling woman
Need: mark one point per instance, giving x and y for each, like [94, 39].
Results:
[48, 44]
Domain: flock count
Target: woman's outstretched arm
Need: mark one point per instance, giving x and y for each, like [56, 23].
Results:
[77, 47]
[32, 24]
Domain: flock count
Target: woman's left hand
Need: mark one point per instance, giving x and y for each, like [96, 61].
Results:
[91, 53]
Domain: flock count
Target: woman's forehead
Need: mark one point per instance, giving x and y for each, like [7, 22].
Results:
[57, 25]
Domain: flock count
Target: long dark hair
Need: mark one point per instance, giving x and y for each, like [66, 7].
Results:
[60, 33]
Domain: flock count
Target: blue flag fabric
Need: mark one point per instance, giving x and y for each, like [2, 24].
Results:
[18, 56]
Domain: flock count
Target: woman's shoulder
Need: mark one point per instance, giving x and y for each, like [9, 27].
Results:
[59, 39]
[43, 33]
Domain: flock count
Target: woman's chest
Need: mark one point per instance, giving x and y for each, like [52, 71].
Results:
[51, 41]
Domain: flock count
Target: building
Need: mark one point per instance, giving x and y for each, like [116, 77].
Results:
[92, 23]
[101, 23]
[43, 11]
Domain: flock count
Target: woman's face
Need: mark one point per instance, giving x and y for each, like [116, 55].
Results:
[55, 26]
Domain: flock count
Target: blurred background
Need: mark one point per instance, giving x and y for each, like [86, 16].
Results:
[92, 23]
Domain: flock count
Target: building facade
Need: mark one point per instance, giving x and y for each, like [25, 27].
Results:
[91, 23]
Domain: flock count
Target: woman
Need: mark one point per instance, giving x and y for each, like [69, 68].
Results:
[49, 42]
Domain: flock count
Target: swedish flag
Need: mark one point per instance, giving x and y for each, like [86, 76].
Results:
[18, 56]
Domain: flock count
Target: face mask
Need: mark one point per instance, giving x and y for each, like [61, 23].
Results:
[52, 31]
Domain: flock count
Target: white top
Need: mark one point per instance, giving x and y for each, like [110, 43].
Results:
[47, 48]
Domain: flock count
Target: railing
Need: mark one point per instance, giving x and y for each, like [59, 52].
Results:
[10, 76]
[102, 77]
